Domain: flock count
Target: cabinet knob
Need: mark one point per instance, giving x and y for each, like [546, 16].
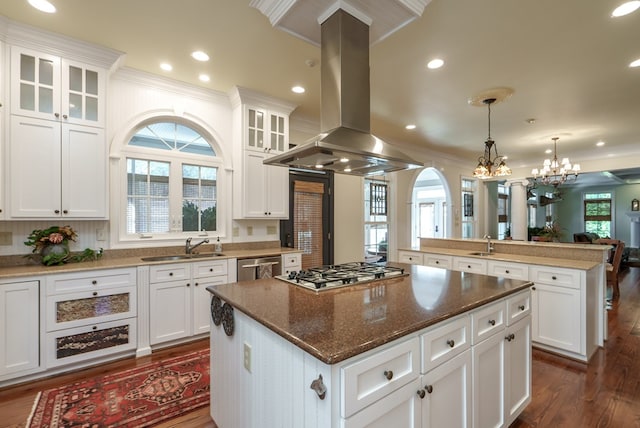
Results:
[468, 266]
[56, 114]
[533, 288]
[95, 293]
[554, 277]
[510, 337]
[210, 269]
[451, 343]
[170, 273]
[56, 211]
[521, 307]
[437, 262]
[64, 116]
[506, 271]
[94, 282]
[420, 393]
[65, 211]
[95, 327]
[388, 374]
[188, 285]
[429, 388]
[196, 284]
[492, 322]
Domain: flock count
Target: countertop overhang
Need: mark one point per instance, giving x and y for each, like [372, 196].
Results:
[334, 325]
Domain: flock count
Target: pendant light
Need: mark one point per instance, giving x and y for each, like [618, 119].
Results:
[486, 164]
[553, 172]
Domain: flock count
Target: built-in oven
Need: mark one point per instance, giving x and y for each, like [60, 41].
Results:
[259, 268]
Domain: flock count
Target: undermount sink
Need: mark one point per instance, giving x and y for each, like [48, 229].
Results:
[181, 257]
[481, 254]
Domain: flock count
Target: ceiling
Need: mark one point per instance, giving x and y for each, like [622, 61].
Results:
[566, 61]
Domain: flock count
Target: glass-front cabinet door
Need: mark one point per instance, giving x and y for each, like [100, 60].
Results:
[277, 140]
[255, 129]
[83, 91]
[35, 84]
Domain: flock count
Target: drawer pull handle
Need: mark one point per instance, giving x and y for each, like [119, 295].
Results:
[94, 282]
[510, 337]
[429, 388]
[451, 343]
[420, 393]
[521, 307]
[492, 322]
[95, 293]
[388, 374]
[319, 387]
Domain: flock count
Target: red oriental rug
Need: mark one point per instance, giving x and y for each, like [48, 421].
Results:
[139, 397]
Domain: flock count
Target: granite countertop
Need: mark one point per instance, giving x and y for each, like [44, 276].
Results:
[516, 258]
[337, 324]
[33, 269]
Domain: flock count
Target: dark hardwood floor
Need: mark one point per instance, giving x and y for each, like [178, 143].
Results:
[604, 393]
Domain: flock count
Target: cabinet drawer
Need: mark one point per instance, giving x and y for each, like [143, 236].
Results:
[369, 379]
[99, 279]
[410, 257]
[518, 307]
[508, 270]
[555, 276]
[487, 321]
[292, 260]
[85, 307]
[83, 343]
[444, 342]
[170, 272]
[468, 264]
[209, 268]
[437, 260]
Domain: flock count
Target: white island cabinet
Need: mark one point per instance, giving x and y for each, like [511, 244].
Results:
[423, 379]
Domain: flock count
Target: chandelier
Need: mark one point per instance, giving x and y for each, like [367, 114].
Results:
[485, 168]
[555, 173]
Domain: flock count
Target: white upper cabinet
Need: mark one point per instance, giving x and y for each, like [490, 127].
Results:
[52, 88]
[261, 126]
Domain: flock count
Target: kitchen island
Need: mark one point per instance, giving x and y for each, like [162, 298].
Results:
[282, 355]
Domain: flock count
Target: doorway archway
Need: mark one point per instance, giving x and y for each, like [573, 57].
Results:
[430, 216]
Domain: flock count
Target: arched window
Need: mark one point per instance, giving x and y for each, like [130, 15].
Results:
[171, 180]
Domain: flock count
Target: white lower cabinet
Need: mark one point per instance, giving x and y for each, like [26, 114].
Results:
[179, 303]
[19, 328]
[89, 315]
[501, 368]
[447, 400]
[410, 257]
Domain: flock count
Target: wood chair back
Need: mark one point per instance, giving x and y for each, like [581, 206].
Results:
[613, 267]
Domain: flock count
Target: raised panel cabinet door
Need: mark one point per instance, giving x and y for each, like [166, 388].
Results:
[556, 317]
[19, 327]
[202, 302]
[400, 409]
[489, 382]
[35, 190]
[169, 311]
[254, 197]
[277, 191]
[84, 177]
[447, 400]
[518, 368]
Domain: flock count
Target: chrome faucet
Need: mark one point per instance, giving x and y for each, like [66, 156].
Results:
[489, 246]
[188, 248]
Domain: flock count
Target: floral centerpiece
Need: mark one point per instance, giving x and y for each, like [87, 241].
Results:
[553, 231]
[52, 245]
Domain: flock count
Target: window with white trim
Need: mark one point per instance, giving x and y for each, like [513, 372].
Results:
[171, 181]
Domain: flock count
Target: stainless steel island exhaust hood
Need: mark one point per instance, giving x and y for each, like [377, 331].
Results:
[346, 145]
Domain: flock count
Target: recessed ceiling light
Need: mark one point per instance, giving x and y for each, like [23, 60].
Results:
[600, 143]
[344, 160]
[435, 63]
[298, 89]
[347, 169]
[166, 66]
[43, 6]
[410, 127]
[548, 151]
[626, 8]
[204, 78]
[199, 56]
[635, 63]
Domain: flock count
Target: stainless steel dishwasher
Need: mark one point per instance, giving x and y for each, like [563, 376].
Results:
[264, 267]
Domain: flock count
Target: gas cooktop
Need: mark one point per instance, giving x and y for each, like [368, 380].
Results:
[328, 277]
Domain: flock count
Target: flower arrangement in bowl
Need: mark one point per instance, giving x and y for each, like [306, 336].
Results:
[52, 244]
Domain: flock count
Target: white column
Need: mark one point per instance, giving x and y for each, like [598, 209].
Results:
[635, 229]
[518, 208]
